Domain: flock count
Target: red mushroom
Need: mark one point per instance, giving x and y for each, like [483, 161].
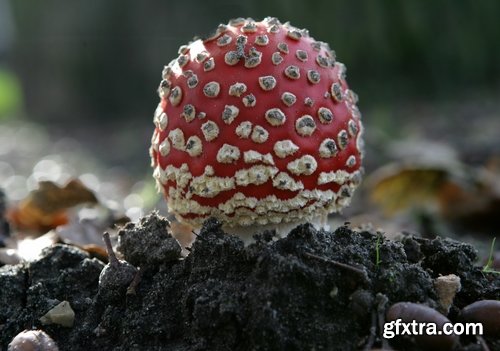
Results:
[256, 125]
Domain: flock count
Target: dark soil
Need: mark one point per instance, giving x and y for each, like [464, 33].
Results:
[313, 290]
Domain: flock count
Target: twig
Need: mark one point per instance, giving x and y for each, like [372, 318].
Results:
[109, 249]
[135, 282]
[382, 301]
[377, 251]
[373, 332]
[198, 236]
[345, 266]
[482, 342]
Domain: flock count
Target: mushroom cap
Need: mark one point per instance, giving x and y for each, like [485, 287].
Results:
[256, 125]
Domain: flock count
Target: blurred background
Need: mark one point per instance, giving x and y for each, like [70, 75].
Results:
[78, 86]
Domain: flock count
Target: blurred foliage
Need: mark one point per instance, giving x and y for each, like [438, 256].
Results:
[10, 94]
[101, 60]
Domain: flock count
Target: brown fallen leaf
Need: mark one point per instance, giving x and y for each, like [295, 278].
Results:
[399, 187]
[465, 195]
[45, 208]
[96, 251]
[86, 227]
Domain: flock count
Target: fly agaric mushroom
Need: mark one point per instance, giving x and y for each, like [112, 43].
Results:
[256, 125]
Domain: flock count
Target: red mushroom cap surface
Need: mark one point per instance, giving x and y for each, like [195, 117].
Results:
[256, 125]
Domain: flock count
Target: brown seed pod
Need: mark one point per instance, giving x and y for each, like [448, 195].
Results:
[486, 312]
[409, 312]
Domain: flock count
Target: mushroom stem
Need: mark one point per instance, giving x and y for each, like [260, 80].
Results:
[246, 233]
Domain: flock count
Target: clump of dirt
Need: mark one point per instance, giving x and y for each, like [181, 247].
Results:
[310, 290]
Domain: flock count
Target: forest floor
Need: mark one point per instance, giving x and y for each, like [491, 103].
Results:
[311, 290]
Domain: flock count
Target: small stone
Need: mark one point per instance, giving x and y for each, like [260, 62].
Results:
[32, 340]
[62, 314]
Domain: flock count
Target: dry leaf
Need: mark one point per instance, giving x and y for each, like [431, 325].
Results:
[397, 187]
[466, 196]
[45, 208]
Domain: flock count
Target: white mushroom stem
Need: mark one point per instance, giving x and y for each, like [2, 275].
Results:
[246, 233]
